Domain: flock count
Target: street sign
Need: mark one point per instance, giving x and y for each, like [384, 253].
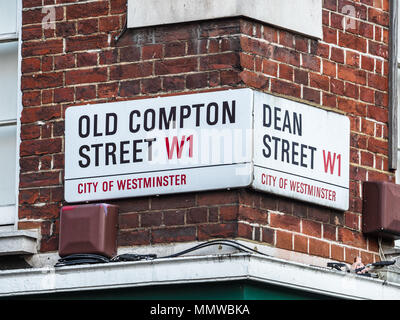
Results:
[300, 151]
[156, 146]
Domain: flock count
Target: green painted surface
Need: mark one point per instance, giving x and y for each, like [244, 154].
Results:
[258, 291]
[233, 290]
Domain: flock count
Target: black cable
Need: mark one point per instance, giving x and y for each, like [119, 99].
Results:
[230, 243]
[81, 258]
[336, 265]
[197, 248]
[383, 263]
[91, 258]
[133, 257]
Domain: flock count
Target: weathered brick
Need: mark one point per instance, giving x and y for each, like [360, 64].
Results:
[312, 95]
[318, 248]
[86, 59]
[287, 222]
[176, 234]
[129, 88]
[107, 90]
[228, 213]
[311, 228]
[196, 215]
[87, 26]
[174, 201]
[134, 237]
[255, 80]
[154, 51]
[151, 219]
[268, 235]
[83, 43]
[300, 243]
[174, 217]
[287, 56]
[29, 65]
[64, 95]
[245, 231]
[286, 88]
[225, 230]
[84, 10]
[151, 85]
[31, 3]
[92, 75]
[131, 71]
[29, 132]
[252, 214]
[284, 240]
[42, 48]
[129, 54]
[39, 147]
[39, 179]
[110, 23]
[175, 66]
[198, 80]
[352, 238]
[30, 115]
[337, 252]
[85, 92]
[350, 41]
[64, 62]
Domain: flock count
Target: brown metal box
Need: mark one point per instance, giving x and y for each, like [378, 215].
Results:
[381, 209]
[88, 228]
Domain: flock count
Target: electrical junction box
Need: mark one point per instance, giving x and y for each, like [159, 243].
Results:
[381, 209]
[90, 229]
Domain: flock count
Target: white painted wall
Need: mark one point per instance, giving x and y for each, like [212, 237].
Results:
[301, 16]
[8, 17]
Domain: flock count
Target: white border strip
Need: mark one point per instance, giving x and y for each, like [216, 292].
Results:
[196, 269]
[303, 16]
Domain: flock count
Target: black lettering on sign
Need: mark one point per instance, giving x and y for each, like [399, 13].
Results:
[184, 114]
[95, 123]
[110, 153]
[287, 151]
[150, 148]
[131, 125]
[96, 153]
[149, 120]
[85, 156]
[197, 107]
[212, 113]
[123, 151]
[167, 122]
[136, 150]
[230, 112]
[268, 153]
[110, 131]
[285, 121]
[84, 126]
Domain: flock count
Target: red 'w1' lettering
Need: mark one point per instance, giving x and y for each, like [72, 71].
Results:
[178, 146]
[329, 162]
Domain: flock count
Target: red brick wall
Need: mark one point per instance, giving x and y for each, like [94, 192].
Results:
[80, 62]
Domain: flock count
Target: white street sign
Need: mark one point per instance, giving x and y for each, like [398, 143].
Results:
[156, 146]
[300, 151]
